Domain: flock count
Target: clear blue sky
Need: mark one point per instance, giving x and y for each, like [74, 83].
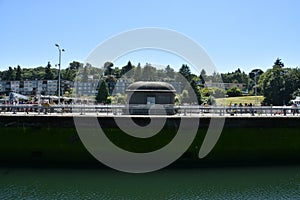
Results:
[243, 33]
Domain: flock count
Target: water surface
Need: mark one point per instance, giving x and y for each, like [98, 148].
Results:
[201, 183]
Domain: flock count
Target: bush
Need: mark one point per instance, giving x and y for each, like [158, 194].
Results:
[234, 92]
[213, 91]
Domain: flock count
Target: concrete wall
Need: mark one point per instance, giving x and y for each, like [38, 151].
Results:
[244, 141]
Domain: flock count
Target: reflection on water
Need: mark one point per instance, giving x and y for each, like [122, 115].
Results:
[202, 183]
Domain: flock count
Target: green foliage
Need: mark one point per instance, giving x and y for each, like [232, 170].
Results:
[149, 73]
[9, 74]
[118, 99]
[117, 72]
[71, 71]
[254, 76]
[85, 73]
[48, 73]
[296, 93]
[234, 92]
[185, 72]
[170, 72]
[102, 93]
[128, 70]
[18, 73]
[108, 68]
[138, 73]
[235, 77]
[210, 100]
[185, 97]
[196, 89]
[213, 91]
[278, 83]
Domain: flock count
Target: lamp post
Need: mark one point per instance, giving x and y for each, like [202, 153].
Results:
[255, 73]
[59, 63]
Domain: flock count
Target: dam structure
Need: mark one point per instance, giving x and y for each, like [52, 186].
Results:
[50, 138]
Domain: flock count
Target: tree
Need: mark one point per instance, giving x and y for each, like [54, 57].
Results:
[216, 77]
[278, 63]
[9, 75]
[85, 73]
[48, 73]
[117, 72]
[279, 83]
[296, 93]
[185, 72]
[108, 68]
[170, 72]
[195, 89]
[254, 76]
[19, 73]
[127, 70]
[211, 100]
[70, 72]
[138, 73]
[148, 73]
[184, 97]
[203, 76]
[234, 92]
[102, 93]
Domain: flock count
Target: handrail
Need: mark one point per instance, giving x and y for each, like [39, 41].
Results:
[144, 108]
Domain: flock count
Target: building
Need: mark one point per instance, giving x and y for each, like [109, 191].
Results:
[142, 96]
[34, 87]
[226, 86]
[121, 86]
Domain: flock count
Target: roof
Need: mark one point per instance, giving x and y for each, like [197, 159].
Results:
[150, 86]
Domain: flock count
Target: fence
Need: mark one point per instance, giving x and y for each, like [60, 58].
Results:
[150, 109]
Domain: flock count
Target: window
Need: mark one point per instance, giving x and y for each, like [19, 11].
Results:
[151, 100]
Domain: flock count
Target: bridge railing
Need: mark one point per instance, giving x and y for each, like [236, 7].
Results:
[184, 110]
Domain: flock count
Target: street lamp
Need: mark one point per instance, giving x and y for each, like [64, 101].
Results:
[255, 73]
[59, 62]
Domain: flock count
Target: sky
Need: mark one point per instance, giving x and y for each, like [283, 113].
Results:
[245, 34]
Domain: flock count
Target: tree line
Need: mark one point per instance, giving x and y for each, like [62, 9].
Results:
[47, 72]
[278, 84]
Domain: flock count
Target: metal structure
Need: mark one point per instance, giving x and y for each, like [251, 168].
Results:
[224, 111]
[59, 63]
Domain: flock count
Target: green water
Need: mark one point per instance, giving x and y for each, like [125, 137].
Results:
[202, 183]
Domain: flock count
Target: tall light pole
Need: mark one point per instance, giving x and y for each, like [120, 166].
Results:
[59, 63]
[255, 73]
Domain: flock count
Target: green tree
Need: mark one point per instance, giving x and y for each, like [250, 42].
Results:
[18, 73]
[195, 89]
[203, 76]
[148, 73]
[9, 74]
[85, 73]
[296, 93]
[234, 92]
[102, 92]
[185, 97]
[138, 73]
[185, 72]
[279, 83]
[170, 72]
[117, 72]
[48, 73]
[254, 76]
[211, 100]
[71, 71]
[278, 63]
[108, 68]
[128, 70]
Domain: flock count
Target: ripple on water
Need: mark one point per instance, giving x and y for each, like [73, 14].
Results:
[229, 183]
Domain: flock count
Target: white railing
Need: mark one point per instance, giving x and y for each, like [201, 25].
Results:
[155, 110]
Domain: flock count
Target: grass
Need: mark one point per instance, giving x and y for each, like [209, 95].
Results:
[242, 99]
